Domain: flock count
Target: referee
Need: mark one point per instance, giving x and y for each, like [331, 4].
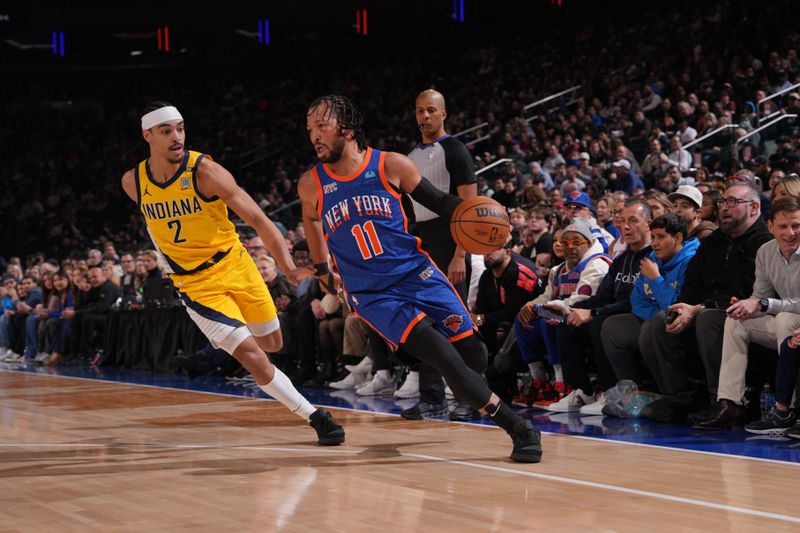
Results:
[445, 162]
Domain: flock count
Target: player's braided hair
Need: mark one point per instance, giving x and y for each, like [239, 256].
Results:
[346, 114]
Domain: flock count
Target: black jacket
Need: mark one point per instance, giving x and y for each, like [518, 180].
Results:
[613, 296]
[724, 267]
[499, 300]
[100, 299]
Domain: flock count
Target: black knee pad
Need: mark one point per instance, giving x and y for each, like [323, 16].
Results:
[474, 352]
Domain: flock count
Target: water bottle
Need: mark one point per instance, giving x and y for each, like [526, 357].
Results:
[767, 398]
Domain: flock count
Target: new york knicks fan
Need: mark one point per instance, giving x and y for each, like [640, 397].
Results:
[352, 207]
[184, 197]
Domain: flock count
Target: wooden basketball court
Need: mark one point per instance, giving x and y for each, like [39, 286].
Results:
[78, 454]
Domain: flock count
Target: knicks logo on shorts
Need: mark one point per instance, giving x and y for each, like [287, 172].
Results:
[425, 274]
[453, 322]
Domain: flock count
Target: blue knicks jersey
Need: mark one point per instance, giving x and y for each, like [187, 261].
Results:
[365, 226]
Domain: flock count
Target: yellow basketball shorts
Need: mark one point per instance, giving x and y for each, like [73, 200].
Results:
[229, 301]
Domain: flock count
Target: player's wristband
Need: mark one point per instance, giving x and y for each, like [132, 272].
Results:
[325, 277]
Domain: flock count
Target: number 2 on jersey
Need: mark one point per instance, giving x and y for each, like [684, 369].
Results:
[361, 240]
[177, 225]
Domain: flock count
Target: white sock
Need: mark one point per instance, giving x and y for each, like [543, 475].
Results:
[384, 374]
[281, 389]
[537, 370]
[559, 372]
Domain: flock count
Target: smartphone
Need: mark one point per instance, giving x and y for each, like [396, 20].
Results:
[670, 317]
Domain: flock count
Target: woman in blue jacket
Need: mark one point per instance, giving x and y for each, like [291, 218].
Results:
[662, 273]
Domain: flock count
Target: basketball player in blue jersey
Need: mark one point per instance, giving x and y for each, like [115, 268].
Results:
[352, 208]
[184, 197]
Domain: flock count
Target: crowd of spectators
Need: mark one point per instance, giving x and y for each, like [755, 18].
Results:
[611, 213]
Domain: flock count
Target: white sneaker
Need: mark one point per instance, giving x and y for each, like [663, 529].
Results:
[595, 408]
[349, 382]
[363, 367]
[410, 388]
[448, 393]
[571, 402]
[381, 383]
[12, 357]
[41, 357]
[4, 352]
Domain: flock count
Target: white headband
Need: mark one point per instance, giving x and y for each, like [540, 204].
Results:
[160, 116]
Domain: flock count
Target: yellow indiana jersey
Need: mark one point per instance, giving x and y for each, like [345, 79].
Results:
[191, 231]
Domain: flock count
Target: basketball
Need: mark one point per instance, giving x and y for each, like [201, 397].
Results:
[480, 225]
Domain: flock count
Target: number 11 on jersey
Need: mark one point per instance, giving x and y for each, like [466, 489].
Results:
[361, 240]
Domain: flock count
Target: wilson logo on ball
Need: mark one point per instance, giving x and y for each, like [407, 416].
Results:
[484, 212]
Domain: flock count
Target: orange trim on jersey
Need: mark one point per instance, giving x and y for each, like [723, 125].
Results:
[355, 174]
[411, 325]
[461, 336]
[319, 191]
[392, 345]
[384, 179]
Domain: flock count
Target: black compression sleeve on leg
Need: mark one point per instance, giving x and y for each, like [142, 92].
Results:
[473, 351]
[430, 346]
[441, 203]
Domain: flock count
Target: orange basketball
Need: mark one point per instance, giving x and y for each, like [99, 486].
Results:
[480, 225]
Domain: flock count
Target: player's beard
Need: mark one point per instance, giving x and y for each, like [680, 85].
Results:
[335, 151]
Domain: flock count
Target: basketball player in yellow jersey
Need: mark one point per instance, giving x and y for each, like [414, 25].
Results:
[184, 197]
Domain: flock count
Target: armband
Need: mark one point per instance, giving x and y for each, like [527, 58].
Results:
[441, 203]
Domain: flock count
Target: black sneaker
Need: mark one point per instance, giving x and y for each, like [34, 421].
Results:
[329, 433]
[464, 412]
[771, 423]
[793, 432]
[424, 410]
[527, 443]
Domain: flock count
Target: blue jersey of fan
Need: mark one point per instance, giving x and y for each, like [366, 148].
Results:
[365, 226]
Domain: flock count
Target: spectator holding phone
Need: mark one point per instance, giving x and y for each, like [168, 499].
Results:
[627, 337]
[722, 268]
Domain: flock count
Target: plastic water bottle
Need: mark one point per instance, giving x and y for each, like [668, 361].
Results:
[767, 398]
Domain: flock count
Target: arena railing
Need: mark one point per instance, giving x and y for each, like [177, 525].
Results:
[493, 164]
[774, 95]
[259, 153]
[708, 135]
[552, 97]
[765, 126]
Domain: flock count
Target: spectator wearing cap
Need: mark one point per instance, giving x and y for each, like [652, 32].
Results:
[585, 166]
[687, 201]
[579, 340]
[626, 180]
[678, 156]
[576, 279]
[723, 268]
[578, 205]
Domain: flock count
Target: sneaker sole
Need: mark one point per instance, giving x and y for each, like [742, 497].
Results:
[332, 440]
[527, 457]
[772, 431]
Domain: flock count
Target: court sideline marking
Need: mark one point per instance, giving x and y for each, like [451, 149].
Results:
[492, 426]
[468, 464]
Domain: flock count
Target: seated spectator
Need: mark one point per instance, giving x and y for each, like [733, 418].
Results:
[604, 208]
[56, 327]
[626, 180]
[540, 241]
[30, 295]
[659, 203]
[786, 187]
[780, 419]
[8, 301]
[678, 157]
[767, 317]
[723, 268]
[574, 280]
[283, 295]
[128, 279]
[150, 260]
[710, 209]
[654, 165]
[579, 205]
[627, 337]
[579, 340]
[687, 202]
[88, 327]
